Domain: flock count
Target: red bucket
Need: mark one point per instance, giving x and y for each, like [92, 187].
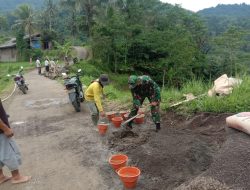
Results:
[129, 176]
[118, 161]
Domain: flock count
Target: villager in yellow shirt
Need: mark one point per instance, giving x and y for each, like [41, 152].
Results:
[93, 97]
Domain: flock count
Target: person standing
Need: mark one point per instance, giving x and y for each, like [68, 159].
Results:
[52, 65]
[93, 97]
[9, 152]
[144, 87]
[46, 64]
[39, 66]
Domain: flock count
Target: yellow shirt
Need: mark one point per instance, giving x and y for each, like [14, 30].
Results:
[93, 93]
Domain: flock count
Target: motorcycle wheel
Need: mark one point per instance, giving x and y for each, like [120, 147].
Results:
[82, 99]
[77, 105]
[23, 89]
[26, 87]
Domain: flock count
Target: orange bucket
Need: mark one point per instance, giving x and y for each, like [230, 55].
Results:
[139, 119]
[125, 117]
[117, 121]
[129, 176]
[102, 127]
[123, 113]
[118, 160]
[110, 115]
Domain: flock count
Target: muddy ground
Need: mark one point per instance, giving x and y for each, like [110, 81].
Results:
[62, 150]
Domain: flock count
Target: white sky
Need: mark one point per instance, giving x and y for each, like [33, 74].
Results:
[196, 5]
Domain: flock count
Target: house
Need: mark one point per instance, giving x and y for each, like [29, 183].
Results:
[8, 50]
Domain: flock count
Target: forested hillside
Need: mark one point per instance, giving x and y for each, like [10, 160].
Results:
[221, 17]
[169, 43]
[9, 5]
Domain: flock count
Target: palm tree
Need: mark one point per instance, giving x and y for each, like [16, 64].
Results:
[25, 20]
[50, 11]
[70, 6]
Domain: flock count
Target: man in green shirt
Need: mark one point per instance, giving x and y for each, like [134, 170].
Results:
[144, 87]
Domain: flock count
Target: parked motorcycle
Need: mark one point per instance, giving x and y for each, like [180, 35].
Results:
[74, 88]
[20, 82]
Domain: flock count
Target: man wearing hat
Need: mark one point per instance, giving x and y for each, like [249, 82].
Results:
[144, 87]
[93, 97]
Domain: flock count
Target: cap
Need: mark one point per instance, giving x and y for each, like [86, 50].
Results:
[132, 81]
[104, 79]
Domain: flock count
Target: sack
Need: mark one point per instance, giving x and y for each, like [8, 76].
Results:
[240, 121]
[224, 85]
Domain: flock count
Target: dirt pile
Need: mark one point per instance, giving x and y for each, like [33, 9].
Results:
[232, 165]
[182, 150]
[203, 183]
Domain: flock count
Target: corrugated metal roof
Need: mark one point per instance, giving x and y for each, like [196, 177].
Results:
[10, 43]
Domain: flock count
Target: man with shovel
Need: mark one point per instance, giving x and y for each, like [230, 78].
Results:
[144, 87]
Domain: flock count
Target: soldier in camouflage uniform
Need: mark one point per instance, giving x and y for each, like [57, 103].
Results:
[144, 87]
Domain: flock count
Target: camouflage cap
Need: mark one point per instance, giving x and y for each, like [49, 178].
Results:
[132, 81]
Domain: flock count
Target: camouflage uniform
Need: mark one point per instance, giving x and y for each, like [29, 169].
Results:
[144, 87]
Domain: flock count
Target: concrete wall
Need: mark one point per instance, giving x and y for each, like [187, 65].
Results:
[8, 54]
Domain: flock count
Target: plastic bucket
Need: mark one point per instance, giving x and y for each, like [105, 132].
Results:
[110, 115]
[117, 121]
[126, 116]
[118, 161]
[129, 176]
[123, 113]
[139, 119]
[102, 127]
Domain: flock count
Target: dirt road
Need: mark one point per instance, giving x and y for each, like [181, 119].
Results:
[60, 148]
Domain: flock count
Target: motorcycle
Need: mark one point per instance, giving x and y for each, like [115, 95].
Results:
[20, 82]
[74, 87]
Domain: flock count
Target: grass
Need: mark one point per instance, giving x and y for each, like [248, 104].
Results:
[11, 68]
[118, 91]
[238, 101]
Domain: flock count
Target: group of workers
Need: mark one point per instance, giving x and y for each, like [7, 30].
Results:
[49, 64]
[141, 87]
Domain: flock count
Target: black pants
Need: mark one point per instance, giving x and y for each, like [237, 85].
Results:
[47, 68]
[39, 70]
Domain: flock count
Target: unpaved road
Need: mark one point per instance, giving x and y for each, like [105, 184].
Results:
[60, 149]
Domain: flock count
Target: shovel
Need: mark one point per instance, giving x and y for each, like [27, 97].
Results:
[130, 119]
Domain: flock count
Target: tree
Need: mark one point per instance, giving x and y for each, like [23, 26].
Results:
[228, 45]
[25, 20]
[65, 50]
[3, 23]
[50, 12]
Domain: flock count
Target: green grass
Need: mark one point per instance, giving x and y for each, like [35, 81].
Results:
[118, 91]
[11, 68]
[238, 101]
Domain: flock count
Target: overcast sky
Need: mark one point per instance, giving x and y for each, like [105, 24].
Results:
[196, 5]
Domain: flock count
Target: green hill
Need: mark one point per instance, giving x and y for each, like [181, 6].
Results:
[221, 17]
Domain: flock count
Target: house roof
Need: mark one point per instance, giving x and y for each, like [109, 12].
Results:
[12, 42]
[9, 44]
